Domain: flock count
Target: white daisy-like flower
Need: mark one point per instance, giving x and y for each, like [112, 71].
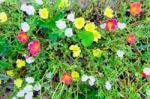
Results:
[29, 95]
[103, 26]
[29, 79]
[39, 2]
[85, 78]
[30, 10]
[91, 80]
[30, 60]
[24, 7]
[25, 26]
[37, 87]
[146, 71]
[91, 83]
[20, 93]
[121, 25]
[61, 24]
[120, 53]
[68, 32]
[71, 17]
[108, 85]
[28, 88]
[49, 75]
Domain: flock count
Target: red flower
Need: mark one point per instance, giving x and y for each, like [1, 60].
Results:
[22, 36]
[131, 38]
[135, 8]
[34, 47]
[146, 72]
[66, 78]
[111, 24]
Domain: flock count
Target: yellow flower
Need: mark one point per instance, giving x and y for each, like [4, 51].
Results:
[10, 73]
[75, 75]
[97, 52]
[90, 27]
[63, 3]
[18, 82]
[43, 13]
[20, 63]
[3, 17]
[79, 22]
[76, 50]
[97, 35]
[0, 82]
[108, 12]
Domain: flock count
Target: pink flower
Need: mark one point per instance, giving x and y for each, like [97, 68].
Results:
[131, 38]
[135, 8]
[111, 24]
[34, 47]
[22, 36]
[146, 72]
[66, 78]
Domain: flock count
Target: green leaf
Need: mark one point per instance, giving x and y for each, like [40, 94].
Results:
[4, 63]
[4, 77]
[86, 38]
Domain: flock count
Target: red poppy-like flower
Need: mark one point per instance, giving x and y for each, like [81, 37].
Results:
[135, 8]
[146, 72]
[66, 78]
[111, 24]
[22, 36]
[131, 38]
[34, 47]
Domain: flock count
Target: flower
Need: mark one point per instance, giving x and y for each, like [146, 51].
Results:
[28, 88]
[61, 24]
[120, 53]
[97, 52]
[29, 9]
[10, 73]
[66, 78]
[49, 75]
[1, 1]
[20, 63]
[18, 82]
[90, 27]
[111, 24]
[68, 32]
[103, 26]
[121, 25]
[3, 17]
[30, 60]
[25, 26]
[39, 2]
[146, 72]
[131, 38]
[108, 12]
[84, 78]
[79, 22]
[97, 35]
[76, 50]
[29, 79]
[20, 93]
[43, 13]
[29, 95]
[75, 75]
[34, 47]
[135, 8]
[91, 80]
[37, 87]
[63, 3]
[23, 37]
[108, 85]
[71, 17]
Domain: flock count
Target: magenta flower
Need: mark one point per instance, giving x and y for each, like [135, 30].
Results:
[111, 24]
[34, 47]
[22, 36]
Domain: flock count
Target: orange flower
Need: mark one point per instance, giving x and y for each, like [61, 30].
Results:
[66, 78]
[131, 38]
[135, 8]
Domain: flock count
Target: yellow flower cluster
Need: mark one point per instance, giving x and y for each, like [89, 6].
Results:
[43, 13]
[3, 17]
[10, 73]
[108, 12]
[97, 52]
[75, 75]
[20, 63]
[76, 50]
[18, 82]
[63, 3]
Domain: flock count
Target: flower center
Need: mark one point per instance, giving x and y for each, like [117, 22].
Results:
[110, 24]
[134, 9]
[66, 77]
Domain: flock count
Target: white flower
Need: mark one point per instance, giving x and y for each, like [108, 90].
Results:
[48, 75]
[14, 98]
[30, 60]
[24, 7]
[25, 27]
[29, 9]
[121, 25]
[108, 85]
[37, 87]
[29, 95]
[29, 79]
[84, 78]
[148, 91]
[68, 32]
[39, 2]
[20, 93]
[146, 71]
[28, 88]
[91, 80]
[120, 53]
[103, 26]
[61, 24]
[71, 17]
